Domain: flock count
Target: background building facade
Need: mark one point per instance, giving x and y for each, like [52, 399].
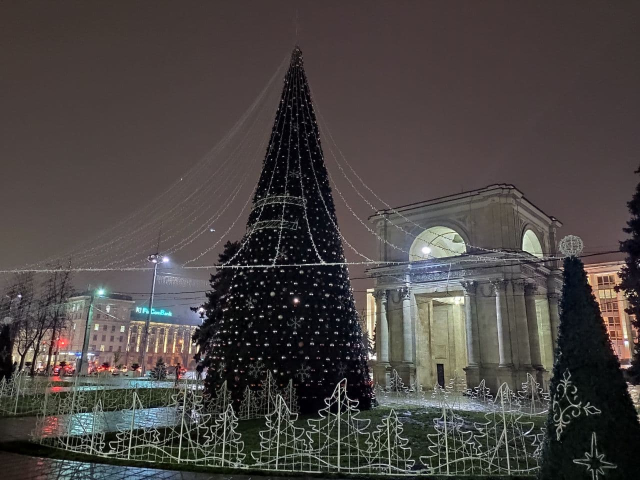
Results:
[603, 277]
[116, 333]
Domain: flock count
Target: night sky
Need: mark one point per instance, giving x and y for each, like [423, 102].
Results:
[103, 104]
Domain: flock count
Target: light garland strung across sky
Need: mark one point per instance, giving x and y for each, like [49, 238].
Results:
[140, 229]
[186, 210]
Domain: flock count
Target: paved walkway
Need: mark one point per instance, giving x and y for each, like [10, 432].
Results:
[23, 467]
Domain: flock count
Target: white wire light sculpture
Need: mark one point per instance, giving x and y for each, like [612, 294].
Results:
[179, 425]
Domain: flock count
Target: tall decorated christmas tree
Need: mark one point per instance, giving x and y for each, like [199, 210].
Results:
[592, 427]
[290, 308]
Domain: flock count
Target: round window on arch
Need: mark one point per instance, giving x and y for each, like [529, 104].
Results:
[437, 242]
[531, 244]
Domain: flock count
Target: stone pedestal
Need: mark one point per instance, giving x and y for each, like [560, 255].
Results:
[407, 372]
[473, 375]
[381, 373]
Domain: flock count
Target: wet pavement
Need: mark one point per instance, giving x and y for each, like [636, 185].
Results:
[24, 467]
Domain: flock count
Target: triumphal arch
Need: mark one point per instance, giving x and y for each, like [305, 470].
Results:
[473, 294]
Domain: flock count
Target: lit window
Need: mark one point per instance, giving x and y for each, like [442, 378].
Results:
[108, 308]
[96, 326]
[607, 293]
[102, 348]
[122, 329]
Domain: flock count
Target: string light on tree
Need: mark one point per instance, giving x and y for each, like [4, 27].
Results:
[299, 271]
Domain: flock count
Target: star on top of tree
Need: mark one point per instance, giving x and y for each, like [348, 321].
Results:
[594, 461]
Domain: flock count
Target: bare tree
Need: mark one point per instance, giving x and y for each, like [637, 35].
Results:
[21, 295]
[60, 289]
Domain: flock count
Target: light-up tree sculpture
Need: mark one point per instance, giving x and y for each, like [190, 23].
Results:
[292, 312]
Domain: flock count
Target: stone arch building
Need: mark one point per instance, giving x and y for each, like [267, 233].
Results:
[470, 296]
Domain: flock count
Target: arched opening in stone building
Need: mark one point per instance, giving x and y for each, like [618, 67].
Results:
[437, 242]
[531, 244]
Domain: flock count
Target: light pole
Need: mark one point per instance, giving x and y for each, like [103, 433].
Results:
[82, 368]
[156, 259]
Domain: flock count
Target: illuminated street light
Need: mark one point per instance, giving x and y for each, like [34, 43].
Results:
[82, 367]
[154, 258]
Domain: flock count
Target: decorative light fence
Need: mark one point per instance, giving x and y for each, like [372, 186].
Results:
[191, 429]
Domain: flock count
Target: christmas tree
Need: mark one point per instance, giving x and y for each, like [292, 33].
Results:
[207, 336]
[290, 308]
[592, 426]
[630, 275]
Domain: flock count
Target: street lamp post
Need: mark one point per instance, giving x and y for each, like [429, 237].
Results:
[83, 364]
[156, 259]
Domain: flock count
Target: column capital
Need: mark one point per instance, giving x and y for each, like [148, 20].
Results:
[380, 295]
[405, 292]
[519, 286]
[530, 288]
[498, 285]
[470, 287]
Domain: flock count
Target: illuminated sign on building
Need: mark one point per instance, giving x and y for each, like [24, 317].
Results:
[163, 312]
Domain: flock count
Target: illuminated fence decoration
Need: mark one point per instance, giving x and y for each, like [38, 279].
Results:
[396, 388]
[283, 446]
[473, 433]
[338, 439]
[388, 451]
[532, 398]
[454, 448]
[507, 442]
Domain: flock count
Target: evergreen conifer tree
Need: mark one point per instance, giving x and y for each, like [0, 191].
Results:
[591, 413]
[159, 372]
[630, 275]
[290, 308]
[207, 336]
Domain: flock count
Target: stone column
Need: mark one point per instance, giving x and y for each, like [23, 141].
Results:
[471, 323]
[502, 321]
[381, 368]
[530, 290]
[407, 333]
[554, 318]
[382, 327]
[522, 328]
